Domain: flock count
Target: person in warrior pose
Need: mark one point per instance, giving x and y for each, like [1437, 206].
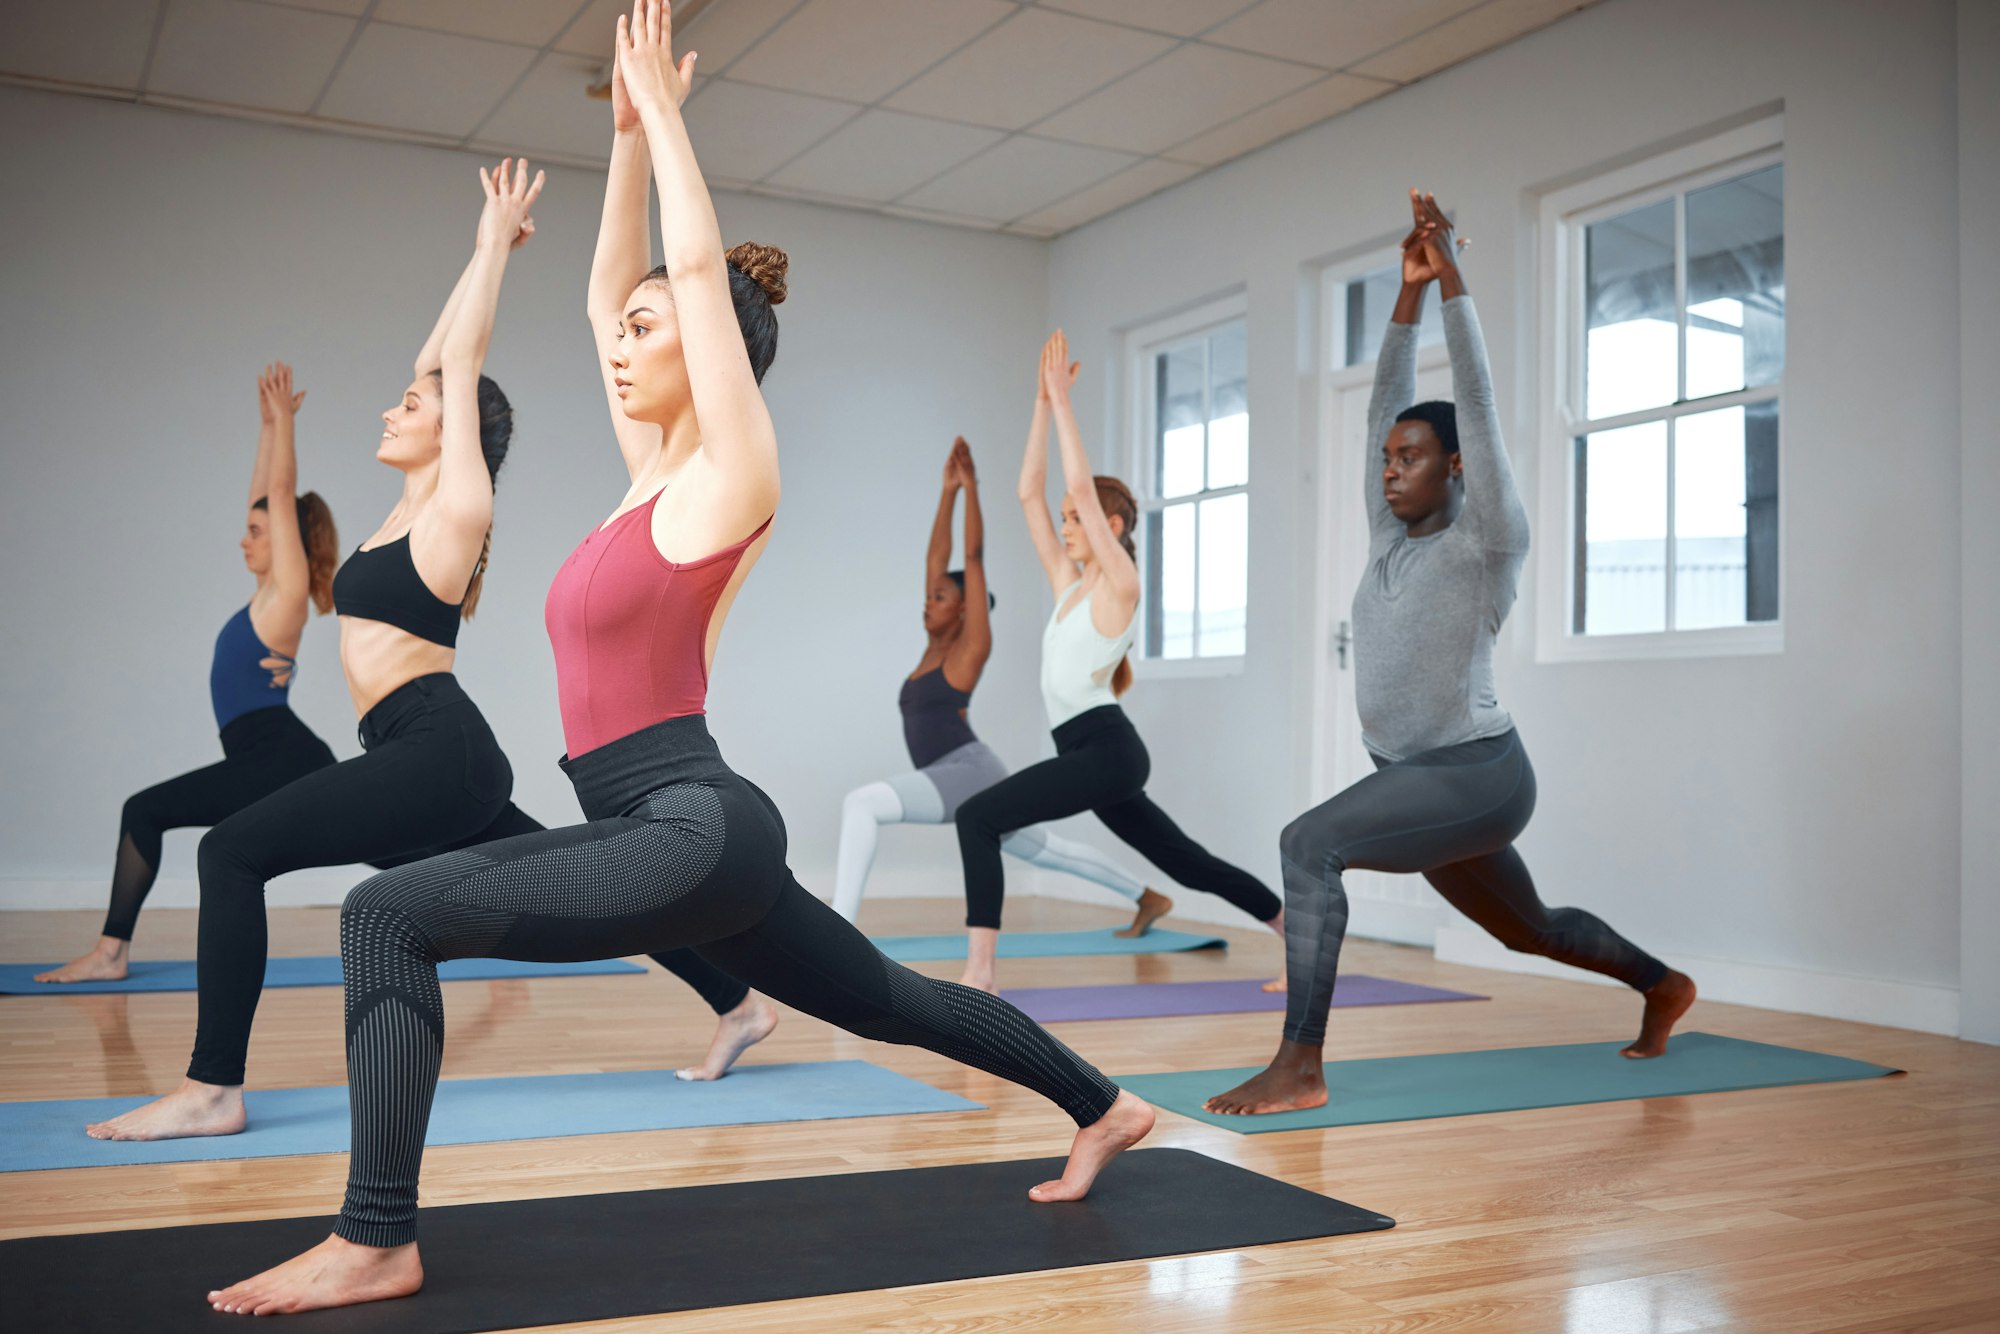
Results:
[1100, 764]
[951, 763]
[291, 549]
[1452, 788]
[679, 850]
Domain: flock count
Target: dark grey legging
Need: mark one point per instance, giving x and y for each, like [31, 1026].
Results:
[1451, 814]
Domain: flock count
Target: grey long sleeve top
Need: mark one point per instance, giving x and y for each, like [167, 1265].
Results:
[1429, 608]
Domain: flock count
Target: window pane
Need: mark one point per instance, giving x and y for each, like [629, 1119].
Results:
[1180, 409]
[1172, 593]
[1621, 483]
[1229, 450]
[1225, 544]
[1229, 407]
[1736, 283]
[1726, 517]
[1370, 302]
[1630, 361]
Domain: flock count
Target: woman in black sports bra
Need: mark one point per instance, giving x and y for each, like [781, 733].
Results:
[431, 778]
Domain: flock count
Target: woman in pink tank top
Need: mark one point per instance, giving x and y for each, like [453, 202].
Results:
[680, 851]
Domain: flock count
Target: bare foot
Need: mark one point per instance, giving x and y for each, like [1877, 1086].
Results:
[1292, 1082]
[1276, 984]
[982, 947]
[735, 1033]
[1129, 1121]
[1666, 1001]
[1277, 925]
[192, 1109]
[1153, 905]
[106, 963]
[337, 1272]
[980, 981]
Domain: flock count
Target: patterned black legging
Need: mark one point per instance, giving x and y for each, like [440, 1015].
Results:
[1453, 815]
[680, 852]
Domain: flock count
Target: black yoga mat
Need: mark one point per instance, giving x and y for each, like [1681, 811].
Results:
[599, 1257]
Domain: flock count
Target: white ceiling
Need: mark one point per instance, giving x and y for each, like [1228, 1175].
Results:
[1028, 116]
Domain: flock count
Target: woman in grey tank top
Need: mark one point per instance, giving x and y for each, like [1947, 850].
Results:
[1453, 788]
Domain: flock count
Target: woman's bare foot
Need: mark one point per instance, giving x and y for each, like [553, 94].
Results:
[735, 1033]
[1277, 983]
[1277, 924]
[980, 981]
[1129, 1121]
[190, 1110]
[1666, 1001]
[106, 963]
[1294, 1081]
[337, 1272]
[982, 946]
[1153, 905]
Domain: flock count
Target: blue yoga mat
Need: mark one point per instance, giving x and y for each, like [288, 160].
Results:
[1048, 944]
[1460, 1083]
[35, 1136]
[316, 970]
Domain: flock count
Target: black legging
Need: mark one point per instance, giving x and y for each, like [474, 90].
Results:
[1100, 766]
[679, 852]
[1453, 815]
[262, 751]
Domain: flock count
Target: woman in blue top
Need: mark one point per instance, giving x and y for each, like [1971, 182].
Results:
[291, 548]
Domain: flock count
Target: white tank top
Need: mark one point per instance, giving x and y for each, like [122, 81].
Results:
[1078, 662]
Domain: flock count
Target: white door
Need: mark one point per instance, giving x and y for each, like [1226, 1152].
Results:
[1384, 907]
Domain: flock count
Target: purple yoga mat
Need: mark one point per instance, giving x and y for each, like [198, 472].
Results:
[1149, 1000]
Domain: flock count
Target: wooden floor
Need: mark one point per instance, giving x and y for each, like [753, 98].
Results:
[1872, 1205]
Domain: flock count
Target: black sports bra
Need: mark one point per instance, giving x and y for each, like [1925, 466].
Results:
[383, 585]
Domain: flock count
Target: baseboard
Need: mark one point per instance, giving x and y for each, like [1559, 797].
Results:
[1865, 1000]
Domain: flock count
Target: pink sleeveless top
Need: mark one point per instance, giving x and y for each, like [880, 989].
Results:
[629, 628]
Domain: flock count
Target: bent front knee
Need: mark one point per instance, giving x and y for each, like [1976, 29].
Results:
[1310, 847]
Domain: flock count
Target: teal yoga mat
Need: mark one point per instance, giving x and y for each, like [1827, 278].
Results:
[1048, 944]
[314, 970]
[1462, 1083]
[35, 1136]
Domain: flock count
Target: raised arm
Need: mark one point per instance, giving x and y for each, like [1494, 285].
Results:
[428, 355]
[975, 641]
[1493, 512]
[283, 614]
[260, 470]
[1120, 574]
[1033, 490]
[738, 441]
[937, 555]
[1395, 371]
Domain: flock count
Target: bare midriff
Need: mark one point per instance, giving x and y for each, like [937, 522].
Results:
[378, 657]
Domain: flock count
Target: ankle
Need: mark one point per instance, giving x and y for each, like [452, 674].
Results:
[112, 948]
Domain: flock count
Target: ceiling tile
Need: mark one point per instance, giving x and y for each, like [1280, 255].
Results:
[863, 50]
[101, 42]
[425, 81]
[745, 133]
[1176, 97]
[1129, 186]
[522, 22]
[247, 55]
[1182, 18]
[1492, 24]
[1016, 178]
[882, 154]
[1329, 97]
[1029, 66]
[593, 31]
[1332, 33]
[933, 215]
[552, 111]
[724, 30]
[352, 8]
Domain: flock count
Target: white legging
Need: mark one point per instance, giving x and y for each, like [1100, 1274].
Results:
[866, 809]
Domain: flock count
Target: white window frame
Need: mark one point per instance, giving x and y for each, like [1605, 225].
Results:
[1565, 213]
[1141, 345]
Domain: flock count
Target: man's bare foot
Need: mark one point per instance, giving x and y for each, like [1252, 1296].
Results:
[1292, 1082]
[1666, 1001]
[1129, 1121]
[106, 963]
[337, 1272]
[1153, 905]
[735, 1033]
[190, 1110]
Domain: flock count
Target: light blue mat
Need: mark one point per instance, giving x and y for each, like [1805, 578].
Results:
[1048, 944]
[35, 1136]
[1460, 1083]
[317, 970]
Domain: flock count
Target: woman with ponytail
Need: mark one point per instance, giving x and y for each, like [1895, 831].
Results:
[1100, 765]
[431, 778]
[291, 549]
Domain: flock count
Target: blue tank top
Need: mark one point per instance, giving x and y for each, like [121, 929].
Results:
[237, 679]
[933, 717]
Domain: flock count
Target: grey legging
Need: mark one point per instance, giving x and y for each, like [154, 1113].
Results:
[1451, 814]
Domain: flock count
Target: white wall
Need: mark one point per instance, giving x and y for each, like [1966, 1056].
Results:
[154, 260]
[1794, 815]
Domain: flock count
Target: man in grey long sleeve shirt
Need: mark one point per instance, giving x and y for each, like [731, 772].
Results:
[1453, 788]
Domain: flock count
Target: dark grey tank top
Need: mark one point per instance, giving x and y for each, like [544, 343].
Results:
[934, 724]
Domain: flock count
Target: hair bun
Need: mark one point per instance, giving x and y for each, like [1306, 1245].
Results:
[764, 265]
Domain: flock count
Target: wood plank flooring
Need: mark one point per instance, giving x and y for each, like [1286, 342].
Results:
[1866, 1206]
